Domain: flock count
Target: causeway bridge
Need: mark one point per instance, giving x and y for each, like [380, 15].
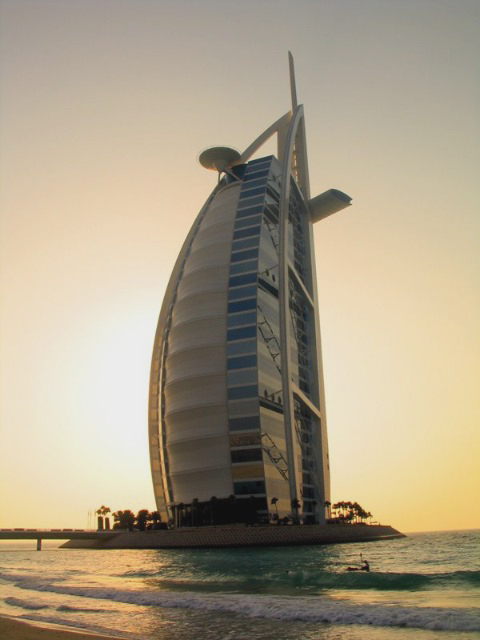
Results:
[55, 534]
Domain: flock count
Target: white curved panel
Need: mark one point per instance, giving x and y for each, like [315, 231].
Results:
[223, 207]
[202, 421]
[203, 281]
[214, 254]
[198, 361]
[221, 231]
[195, 392]
[208, 453]
[196, 333]
[200, 305]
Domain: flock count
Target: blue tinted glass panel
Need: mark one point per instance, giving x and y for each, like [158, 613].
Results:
[254, 175]
[245, 244]
[247, 278]
[244, 424]
[237, 393]
[246, 233]
[249, 487]
[243, 332]
[242, 292]
[248, 222]
[243, 267]
[251, 200]
[242, 305]
[259, 162]
[241, 377]
[249, 210]
[242, 318]
[254, 191]
[246, 455]
[244, 255]
[253, 183]
[242, 363]
[273, 192]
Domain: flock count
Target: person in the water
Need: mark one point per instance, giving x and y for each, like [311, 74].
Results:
[365, 567]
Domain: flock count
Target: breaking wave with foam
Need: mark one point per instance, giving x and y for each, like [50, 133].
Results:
[310, 609]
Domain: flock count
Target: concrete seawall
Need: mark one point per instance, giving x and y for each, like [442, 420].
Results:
[212, 537]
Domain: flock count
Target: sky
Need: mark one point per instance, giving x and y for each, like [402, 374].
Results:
[104, 107]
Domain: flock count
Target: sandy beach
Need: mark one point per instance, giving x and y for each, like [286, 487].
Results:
[14, 629]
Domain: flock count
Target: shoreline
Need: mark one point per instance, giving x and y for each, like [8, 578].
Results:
[12, 628]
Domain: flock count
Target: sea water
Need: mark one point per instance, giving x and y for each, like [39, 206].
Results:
[424, 586]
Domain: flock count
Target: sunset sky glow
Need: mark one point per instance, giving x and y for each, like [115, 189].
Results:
[105, 105]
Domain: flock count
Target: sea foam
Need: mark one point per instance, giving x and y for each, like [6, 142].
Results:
[323, 609]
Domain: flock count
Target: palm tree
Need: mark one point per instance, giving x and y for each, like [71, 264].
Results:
[295, 507]
[155, 518]
[327, 504]
[274, 502]
[124, 519]
[141, 519]
[103, 511]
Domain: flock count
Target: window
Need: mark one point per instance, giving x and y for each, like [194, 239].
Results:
[245, 255]
[242, 332]
[251, 200]
[250, 210]
[242, 305]
[256, 182]
[244, 244]
[245, 439]
[247, 423]
[242, 347]
[242, 362]
[248, 278]
[259, 162]
[247, 455]
[242, 292]
[254, 175]
[242, 318]
[248, 221]
[238, 393]
[248, 488]
[248, 192]
[242, 377]
[246, 233]
[243, 267]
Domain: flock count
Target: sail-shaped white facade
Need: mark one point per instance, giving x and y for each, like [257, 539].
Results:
[237, 424]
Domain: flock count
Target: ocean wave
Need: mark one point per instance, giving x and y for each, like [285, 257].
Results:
[66, 607]
[25, 604]
[309, 609]
[382, 581]
[76, 625]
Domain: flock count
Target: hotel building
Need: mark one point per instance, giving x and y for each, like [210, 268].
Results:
[237, 424]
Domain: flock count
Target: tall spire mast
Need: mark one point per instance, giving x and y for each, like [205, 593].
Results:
[293, 88]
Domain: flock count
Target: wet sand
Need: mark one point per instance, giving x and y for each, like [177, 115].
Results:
[14, 629]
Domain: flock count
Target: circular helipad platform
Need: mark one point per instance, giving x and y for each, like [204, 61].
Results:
[218, 158]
